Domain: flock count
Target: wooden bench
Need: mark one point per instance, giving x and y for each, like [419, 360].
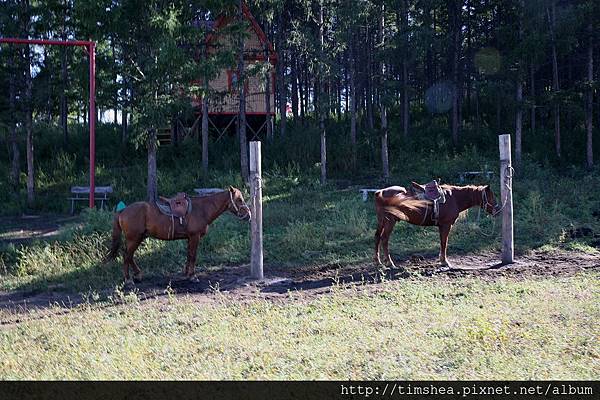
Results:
[82, 193]
[365, 193]
[207, 191]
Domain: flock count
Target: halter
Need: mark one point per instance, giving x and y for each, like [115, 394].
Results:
[485, 203]
[236, 208]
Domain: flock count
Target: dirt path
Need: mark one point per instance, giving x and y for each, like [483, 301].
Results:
[28, 227]
[309, 282]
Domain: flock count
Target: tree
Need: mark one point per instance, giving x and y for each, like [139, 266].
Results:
[321, 100]
[551, 13]
[157, 67]
[242, 91]
[382, 101]
[589, 95]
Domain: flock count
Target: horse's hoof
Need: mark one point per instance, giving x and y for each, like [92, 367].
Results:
[404, 274]
[128, 283]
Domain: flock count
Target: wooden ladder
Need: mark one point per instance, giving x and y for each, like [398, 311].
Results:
[163, 135]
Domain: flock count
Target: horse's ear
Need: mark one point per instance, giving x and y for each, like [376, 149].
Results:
[231, 189]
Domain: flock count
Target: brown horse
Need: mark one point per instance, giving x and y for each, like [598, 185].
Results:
[143, 219]
[397, 204]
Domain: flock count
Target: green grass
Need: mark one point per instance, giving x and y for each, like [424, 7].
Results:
[411, 329]
[304, 225]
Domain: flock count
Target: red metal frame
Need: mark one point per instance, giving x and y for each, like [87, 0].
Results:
[91, 49]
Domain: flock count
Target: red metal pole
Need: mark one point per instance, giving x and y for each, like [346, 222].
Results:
[92, 53]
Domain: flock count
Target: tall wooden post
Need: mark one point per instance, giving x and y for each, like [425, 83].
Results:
[256, 257]
[506, 173]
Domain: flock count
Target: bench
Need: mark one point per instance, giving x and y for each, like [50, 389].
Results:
[207, 191]
[82, 193]
[365, 193]
[472, 174]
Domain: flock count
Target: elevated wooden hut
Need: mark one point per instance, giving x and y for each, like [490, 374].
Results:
[224, 102]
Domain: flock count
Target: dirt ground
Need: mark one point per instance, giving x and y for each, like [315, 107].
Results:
[280, 282]
[28, 227]
[285, 284]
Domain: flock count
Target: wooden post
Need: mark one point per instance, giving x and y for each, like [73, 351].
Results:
[506, 173]
[256, 257]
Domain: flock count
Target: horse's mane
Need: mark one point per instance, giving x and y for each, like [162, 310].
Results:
[207, 196]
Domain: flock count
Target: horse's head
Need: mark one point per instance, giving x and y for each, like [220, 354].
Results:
[237, 205]
[488, 201]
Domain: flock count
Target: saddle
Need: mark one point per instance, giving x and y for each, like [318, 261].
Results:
[430, 192]
[175, 207]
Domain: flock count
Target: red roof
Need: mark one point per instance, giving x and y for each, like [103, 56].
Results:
[223, 20]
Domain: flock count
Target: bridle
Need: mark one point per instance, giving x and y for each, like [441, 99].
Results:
[485, 203]
[237, 209]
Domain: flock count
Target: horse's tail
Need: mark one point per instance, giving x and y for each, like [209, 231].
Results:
[385, 210]
[116, 240]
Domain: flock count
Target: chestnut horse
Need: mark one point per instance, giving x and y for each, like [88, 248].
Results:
[397, 204]
[143, 219]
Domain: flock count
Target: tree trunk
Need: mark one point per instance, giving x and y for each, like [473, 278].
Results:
[294, 66]
[429, 63]
[205, 128]
[268, 95]
[320, 101]
[352, 73]
[405, 96]
[29, 129]
[383, 112]
[589, 106]
[405, 101]
[152, 189]
[498, 109]
[14, 146]
[282, 98]
[63, 95]
[518, 123]
[477, 114]
[205, 116]
[532, 97]
[519, 97]
[242, 113]
[116, 77]
[369, 82]
[124, 127]
[454, 12]
[302, 87]
[555, 84]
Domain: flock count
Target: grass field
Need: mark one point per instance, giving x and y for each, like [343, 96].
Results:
[304, 226]
[409, 329]
[540, 325]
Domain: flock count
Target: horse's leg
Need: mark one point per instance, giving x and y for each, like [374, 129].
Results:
[132, 245]
[192, 249]
[388, 227]
[444, 233]
[378, 234]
